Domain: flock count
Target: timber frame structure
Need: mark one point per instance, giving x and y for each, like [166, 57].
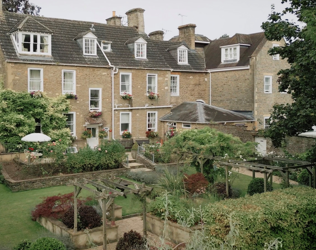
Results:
[267, 170]
[105, 193]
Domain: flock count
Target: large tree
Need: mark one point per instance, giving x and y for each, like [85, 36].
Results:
[21, 6]
[299, 79]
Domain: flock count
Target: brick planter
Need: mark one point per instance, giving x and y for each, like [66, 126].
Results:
[80, 238]
[175, 232]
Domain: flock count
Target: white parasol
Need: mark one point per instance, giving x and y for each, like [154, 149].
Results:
[36, 137]
[311, 134]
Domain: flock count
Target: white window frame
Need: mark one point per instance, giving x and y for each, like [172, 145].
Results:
[106, 46]
[73, 133]
[175, 93]
[155, 113]
[186, 125]
[172, 125]
[100, 99]
[73, 91]
[41, 76]
[129, 122]
[265, 125]
[270, 85]
[156, 84]
[17, 38]
[92, 52]
[277, 56]
[230, 53]
[129, 84]
[140, 46]
[182, 53]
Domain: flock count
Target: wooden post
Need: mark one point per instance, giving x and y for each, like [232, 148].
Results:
[253, 174]
[104, 224]
[314, 176]
[112, 215]
[271, 179]
[75, 210]
[287, 179]
[227, 187]
[144, 218]
[265, 180]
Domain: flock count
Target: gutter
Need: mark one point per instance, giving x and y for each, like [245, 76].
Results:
[217, 122]
[58, 64]
[229, 69]
[148, 107]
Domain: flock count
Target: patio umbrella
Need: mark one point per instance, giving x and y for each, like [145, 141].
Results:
[36, 137]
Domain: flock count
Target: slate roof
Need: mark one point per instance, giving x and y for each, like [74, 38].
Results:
[66, 50]
[213, 50]
[198, 112]
[198, 38]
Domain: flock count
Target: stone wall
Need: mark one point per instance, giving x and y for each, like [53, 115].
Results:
[60, 180]
[238, 131]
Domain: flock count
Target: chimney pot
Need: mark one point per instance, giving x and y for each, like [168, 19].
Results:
[187, 34]
[135, 18]
[113, 13]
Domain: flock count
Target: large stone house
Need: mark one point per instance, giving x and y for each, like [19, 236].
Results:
[101, 64]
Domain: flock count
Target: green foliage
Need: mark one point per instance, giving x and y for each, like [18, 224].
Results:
[148, 177]
[21, 6]
[288, 214]
[18, 111]
[131, 240]
[195, 183]
[47, 244]
[135, 146]
[172, 182]
[153, 152]
[298, 80]
[1, 176]
[219, 189]
[210, 172]
[256, 186]
[303, 177]
[108, 155]
[23, 245]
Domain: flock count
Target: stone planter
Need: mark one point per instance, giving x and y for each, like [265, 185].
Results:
[127, 142]
[80, 238]
[175, 232]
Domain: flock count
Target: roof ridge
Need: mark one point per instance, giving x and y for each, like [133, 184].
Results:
[200, 111]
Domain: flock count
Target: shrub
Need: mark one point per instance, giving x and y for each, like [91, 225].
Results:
[23, 245]
[303, 178]
[256, 186]
[87, 218]
[219, 189]
[288, 214]
[148, 177]
[47, 244]
[195, 183]
[131, 240]
[1, 176]
[236, 193]
[172, 182]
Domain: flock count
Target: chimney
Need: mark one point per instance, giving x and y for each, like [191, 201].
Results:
[156, 35]
[135, 18]
[114, 20]
[187, 34]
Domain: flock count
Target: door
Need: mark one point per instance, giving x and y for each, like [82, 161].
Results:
[261, 146]
[93, 141]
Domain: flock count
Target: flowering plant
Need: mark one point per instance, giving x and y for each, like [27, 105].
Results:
[126, 134]
[71, 96]
[36, 94]
[95, 114]
[126, 96]
[86, 134]
[153, 95]
[103, 133]
[171, 133]
[151, 134]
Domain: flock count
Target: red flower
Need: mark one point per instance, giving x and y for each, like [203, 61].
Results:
[31, 149]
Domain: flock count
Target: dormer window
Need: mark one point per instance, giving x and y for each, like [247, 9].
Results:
[32, 43]
[140, 48]
[182, 55]
[90, 44]
[106, 46]
[230, 54]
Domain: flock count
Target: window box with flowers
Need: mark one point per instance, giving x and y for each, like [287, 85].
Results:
[126, 96]
[103, 134]
[71, 96]
[95, 114]
[151, 134]
[86, 134]
[153, 96]
[126, 134]
[36, 94]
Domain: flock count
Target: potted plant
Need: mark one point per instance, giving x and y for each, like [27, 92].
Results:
[102, 133]
[95, 114]
[126, 134]
[126, 96]
[151, 134]
[71, 96]
[153, 95]
[86, 134]
[134, 150]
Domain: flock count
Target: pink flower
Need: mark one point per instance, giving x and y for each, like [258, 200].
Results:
[51, 151]
[99, 149]
[59, 139]
[48, 144]
[54, 143]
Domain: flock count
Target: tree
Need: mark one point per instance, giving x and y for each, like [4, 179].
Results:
[300, 79]
[21, 6]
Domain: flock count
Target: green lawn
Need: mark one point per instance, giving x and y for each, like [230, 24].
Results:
[15, 211]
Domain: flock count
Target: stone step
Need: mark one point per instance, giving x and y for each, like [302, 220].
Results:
[135, 165]
[141, 170]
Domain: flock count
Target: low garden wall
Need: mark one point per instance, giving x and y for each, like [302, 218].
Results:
[80, 238]
[151, 165]
[5, 157]
[174, 232]
[60, 180]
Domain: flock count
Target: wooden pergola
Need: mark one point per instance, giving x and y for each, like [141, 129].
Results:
[106, 190]
[267, 170]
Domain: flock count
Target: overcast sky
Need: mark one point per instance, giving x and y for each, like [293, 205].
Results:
[212, 18]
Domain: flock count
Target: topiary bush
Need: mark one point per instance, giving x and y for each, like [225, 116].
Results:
[256, 186]
[87, 218]
[131, 240]
[195, 183]
[23, 245]
[47, 244]
[219, 189]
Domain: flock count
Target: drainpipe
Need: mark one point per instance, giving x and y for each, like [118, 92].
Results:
[113, 72]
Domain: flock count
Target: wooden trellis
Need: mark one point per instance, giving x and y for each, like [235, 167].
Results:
[106, 191]
[268, 170]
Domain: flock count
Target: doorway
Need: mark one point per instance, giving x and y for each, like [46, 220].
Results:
[93, 141]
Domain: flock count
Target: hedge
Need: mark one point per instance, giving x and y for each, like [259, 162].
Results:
[289, 214]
